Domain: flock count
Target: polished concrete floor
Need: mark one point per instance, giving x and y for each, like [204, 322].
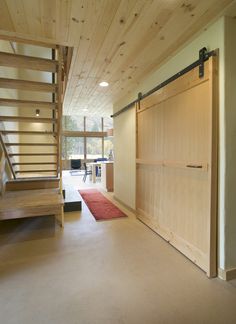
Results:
[111, 272]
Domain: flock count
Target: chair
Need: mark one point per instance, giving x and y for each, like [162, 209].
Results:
[75, 165]
[86, 172]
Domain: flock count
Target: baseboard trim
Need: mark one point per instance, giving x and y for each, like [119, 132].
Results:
[227, 275]
[123, 204]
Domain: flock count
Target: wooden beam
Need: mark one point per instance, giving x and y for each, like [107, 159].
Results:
[28, 62]
[84, 134]
[27, 119]
[11, 36]
[27, 132]
[27, 103]
[30, 144]
[27, 85]
[67, 64]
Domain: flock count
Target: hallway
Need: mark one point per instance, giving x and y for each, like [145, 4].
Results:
[103, 273]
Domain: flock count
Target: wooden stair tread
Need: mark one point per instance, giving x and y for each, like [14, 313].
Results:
[28, 119]
[32, 154]
[30, 144]
[33, 183]
[28, 198]
[27, 132]
[28, 62]
[27, 203]
[33, 179]
[30, 193]
[27, 85]
[32, 171]
[34, 163]
[27, 103]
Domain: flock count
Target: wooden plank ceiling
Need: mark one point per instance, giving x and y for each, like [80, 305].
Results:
[118, 41]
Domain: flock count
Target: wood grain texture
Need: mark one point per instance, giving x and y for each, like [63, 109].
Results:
[84, 134]
[176, 165]
[114, 40]
[28, 132]
[7, 155]
[36, 171]
[28, 119]
[26, 103]
[27, 62]
[2, 174]
[30, 144]
[21, 204]
[27, 85]
[32, 184]
[33, 154]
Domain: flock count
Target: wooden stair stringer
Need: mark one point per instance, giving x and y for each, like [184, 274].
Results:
[7, 151]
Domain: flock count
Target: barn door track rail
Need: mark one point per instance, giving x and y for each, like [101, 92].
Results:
[204, 55]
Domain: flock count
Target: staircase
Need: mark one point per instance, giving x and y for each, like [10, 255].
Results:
[32, 145]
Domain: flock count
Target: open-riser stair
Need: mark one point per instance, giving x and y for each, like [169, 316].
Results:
[36, 152]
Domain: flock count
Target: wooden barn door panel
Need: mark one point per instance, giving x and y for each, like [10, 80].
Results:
[176, 192]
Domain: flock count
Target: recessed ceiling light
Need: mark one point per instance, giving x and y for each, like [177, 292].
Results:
[104, 84]
[85, 109]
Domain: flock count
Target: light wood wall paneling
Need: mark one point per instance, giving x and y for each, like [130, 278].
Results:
[176, 169]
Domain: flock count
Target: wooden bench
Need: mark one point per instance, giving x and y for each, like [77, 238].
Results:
[32, 203]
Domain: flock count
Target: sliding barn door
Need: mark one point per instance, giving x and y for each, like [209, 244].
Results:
[177, 164]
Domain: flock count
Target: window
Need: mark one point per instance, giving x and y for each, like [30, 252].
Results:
[73, 148]
[93, 124]
[94, 147]
[108, 147]
[73, 145]
[107, 123]
[73, 123]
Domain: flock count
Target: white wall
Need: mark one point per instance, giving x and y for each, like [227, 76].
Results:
[212, 38]
[124, 153]
[230, 139]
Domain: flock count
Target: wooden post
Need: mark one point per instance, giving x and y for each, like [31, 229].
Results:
[59, 111]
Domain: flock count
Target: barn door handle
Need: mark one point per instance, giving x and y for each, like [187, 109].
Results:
[194, 166]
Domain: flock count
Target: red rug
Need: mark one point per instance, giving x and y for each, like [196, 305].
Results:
[100, 207]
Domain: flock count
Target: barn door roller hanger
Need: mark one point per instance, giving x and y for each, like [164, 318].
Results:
[204, 55]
